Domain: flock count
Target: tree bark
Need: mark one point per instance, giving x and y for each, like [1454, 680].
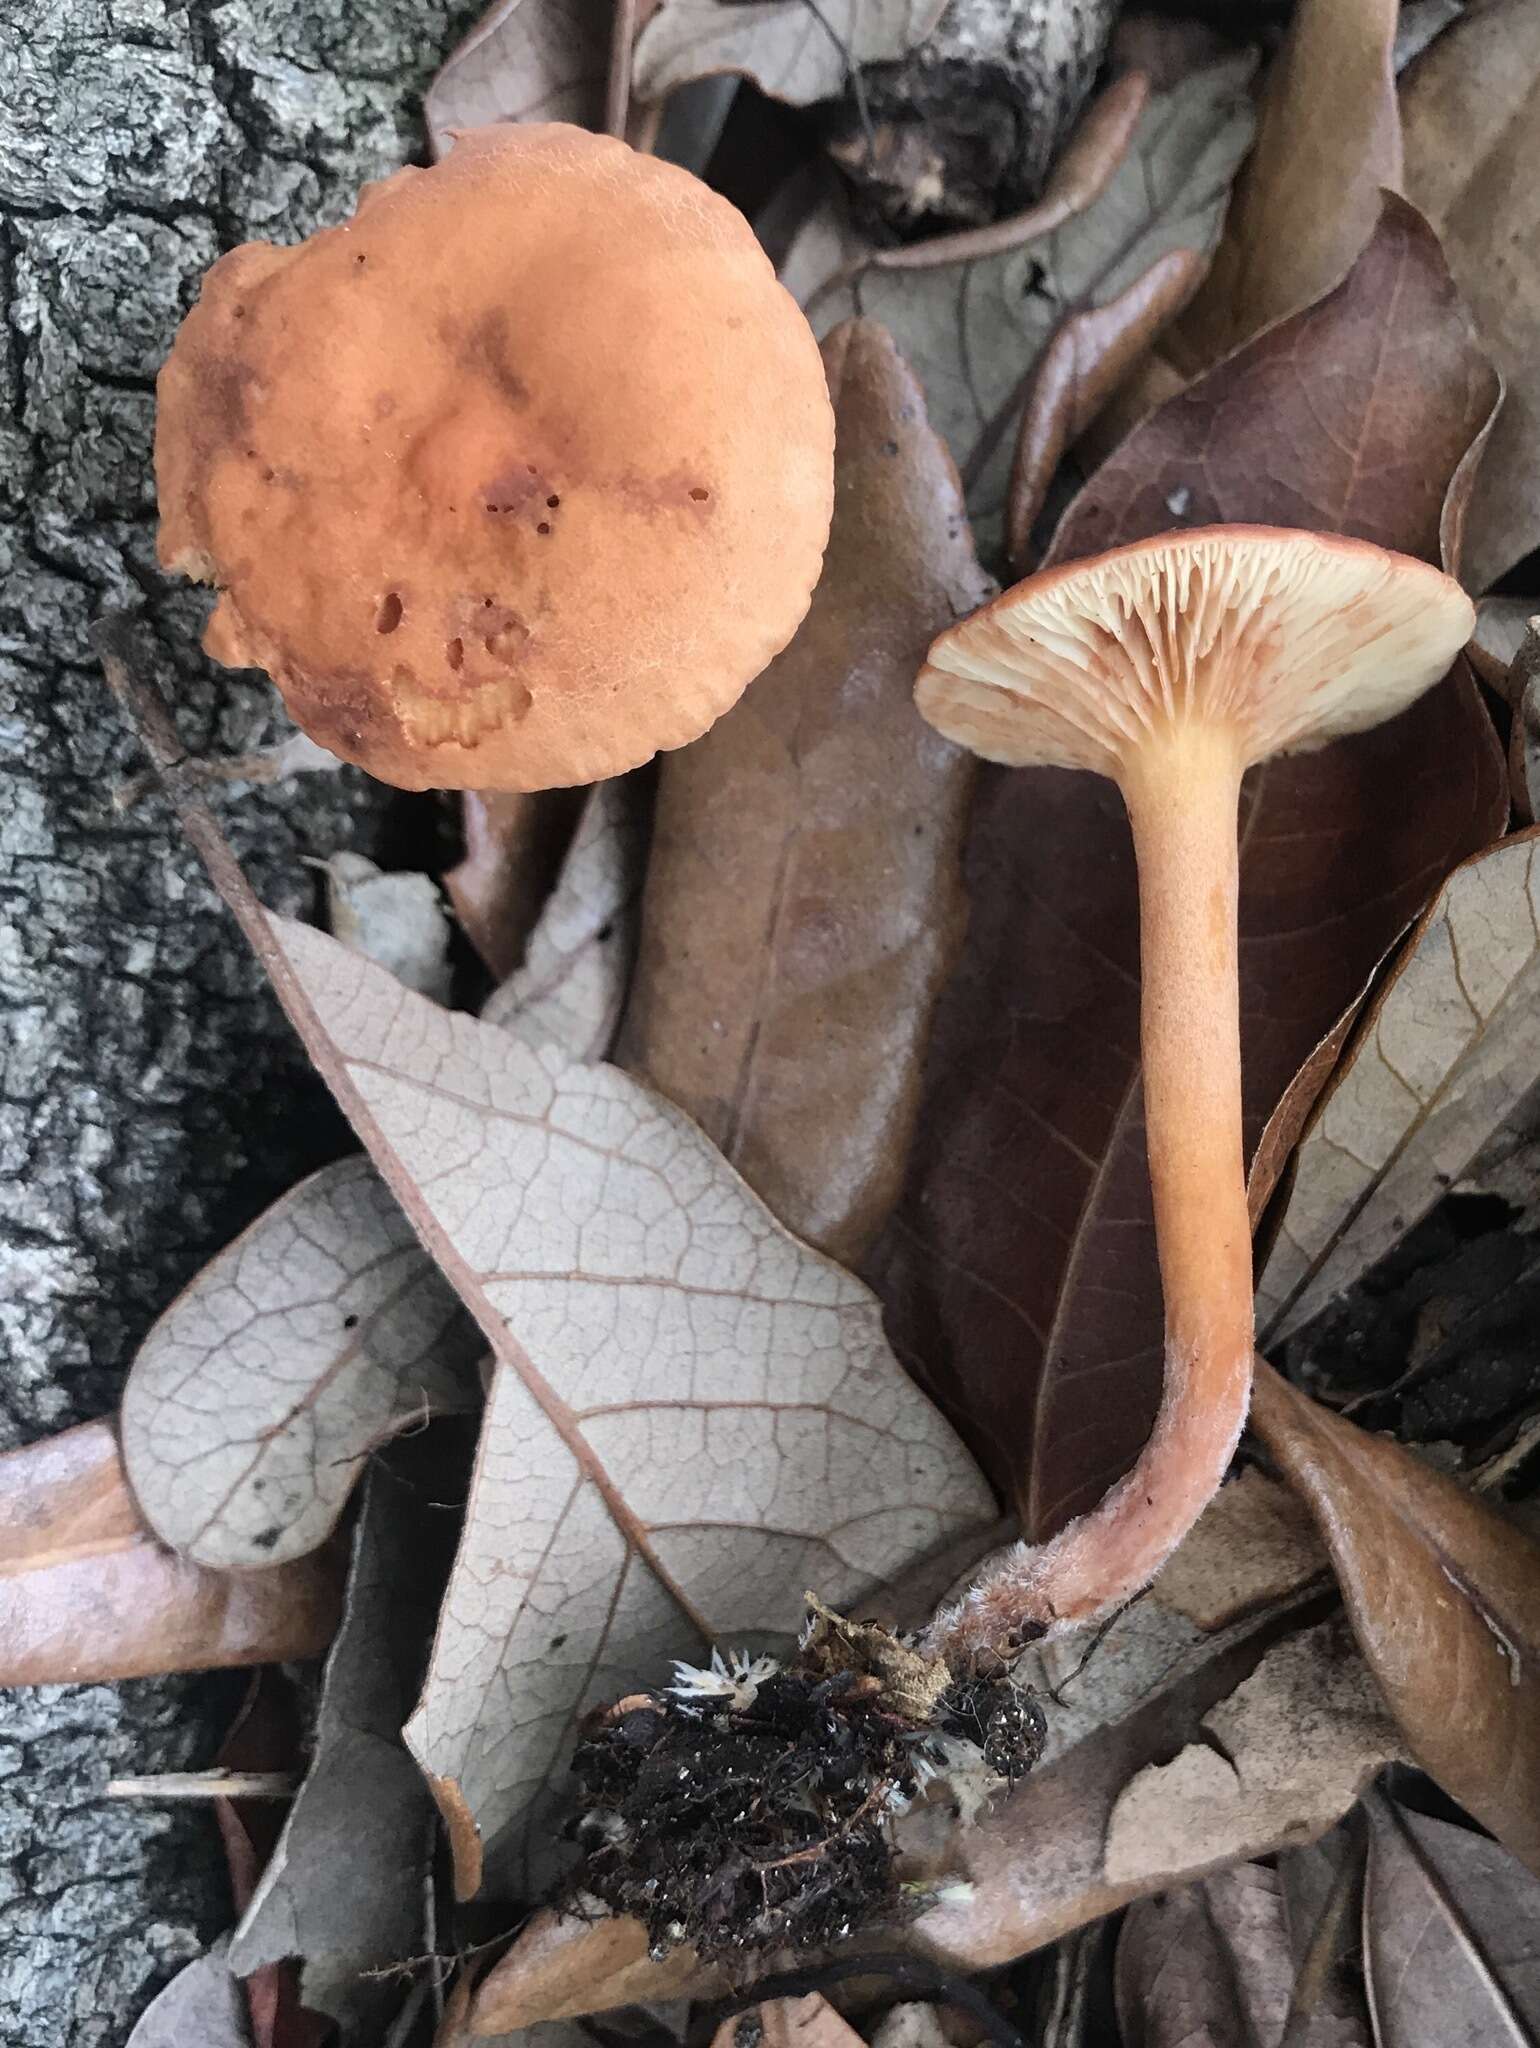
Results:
[153, 1100]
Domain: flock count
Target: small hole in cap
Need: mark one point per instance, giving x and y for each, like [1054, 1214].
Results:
[544, 526]
[700, 494]
[388, 616]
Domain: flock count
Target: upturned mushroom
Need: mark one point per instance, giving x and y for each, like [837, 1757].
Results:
[517, 477]
[1172, 666]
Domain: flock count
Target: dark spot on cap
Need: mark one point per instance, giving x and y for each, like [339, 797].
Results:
[350, 1322]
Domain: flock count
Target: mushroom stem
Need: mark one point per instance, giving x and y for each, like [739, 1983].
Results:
[1182, 792]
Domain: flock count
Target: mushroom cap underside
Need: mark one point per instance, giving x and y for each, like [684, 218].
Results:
[514, 479]
[1282, 639]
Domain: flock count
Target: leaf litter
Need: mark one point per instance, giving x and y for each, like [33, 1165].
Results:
[1226, 1713]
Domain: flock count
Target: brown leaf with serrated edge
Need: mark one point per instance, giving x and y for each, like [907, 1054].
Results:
[87, 1592]
[792, 52]
[1444, 1597]
[1077, 373]
[570, 987]
[971, 331]
[525, 60]
[694, 1416]
[1020, 1271]
[255, 1400]
[1308, 198]
[803, 900]
[1448, 1048]
[1206, 1964]
[1451, 1936]
[1219, 1659]
[1473, 166]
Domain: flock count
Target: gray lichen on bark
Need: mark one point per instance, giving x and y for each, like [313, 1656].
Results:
[152, 1098]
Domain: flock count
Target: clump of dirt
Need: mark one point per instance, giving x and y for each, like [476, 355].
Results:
[749, 1806]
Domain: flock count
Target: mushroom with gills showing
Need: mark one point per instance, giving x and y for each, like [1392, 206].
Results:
[517, 477]
[1171, 666]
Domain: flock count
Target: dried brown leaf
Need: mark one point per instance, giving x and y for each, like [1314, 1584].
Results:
[396, 918]
[1500, 626]
[1076, 374]
[1308, 198]
[1020, 1273]
[1524, 738]
[803, 902]
[86, 1591]
[1207, 1966]
[1451, 1936]
[572, 983]
[1449, 1046]
[256, 1398]
[363, 1807]
[1444, 1596]
[791, 51]
[514, 842]
[202, 2004]
[1473, 166]
[972, 331]
[525, 60]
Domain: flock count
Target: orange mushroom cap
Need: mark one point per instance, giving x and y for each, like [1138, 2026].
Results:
[517, 477]
[1282, 639]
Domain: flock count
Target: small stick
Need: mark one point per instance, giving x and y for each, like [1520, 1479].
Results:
[207, 1785]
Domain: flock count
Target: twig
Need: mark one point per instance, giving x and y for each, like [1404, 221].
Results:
[913, 1975]
[207, 1785]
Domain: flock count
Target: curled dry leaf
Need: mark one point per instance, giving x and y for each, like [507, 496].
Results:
[1308, 198]
[791, 51]
[803, 902]
[363, 1806]
[87, 1592]
[694, 1418]
[1444, 1054]
[973, 330]
[1105, 1817]
[1020, 1271]
[1077, 373]
[202, 2004]
[513, 844]
[572, 983]
[1451, 1936]
[525, 60]
[1473, 165]
[1444, 1596]
[397, 919]
[258, 1395]
[1209, 1964]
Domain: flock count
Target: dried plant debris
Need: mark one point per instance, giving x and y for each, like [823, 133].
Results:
[747, 1807]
